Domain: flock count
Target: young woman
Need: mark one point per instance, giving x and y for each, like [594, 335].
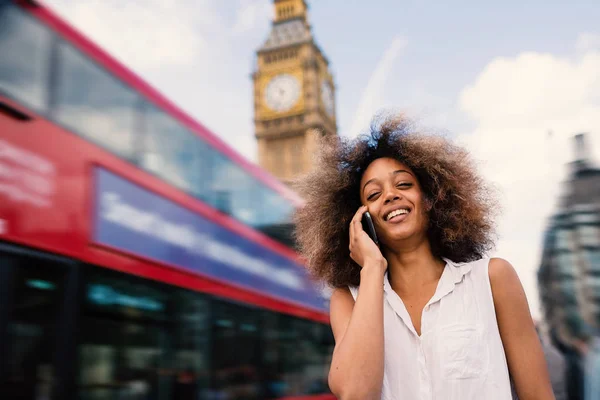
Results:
[424, 315]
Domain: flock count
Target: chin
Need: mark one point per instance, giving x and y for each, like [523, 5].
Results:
[398, 236]
[401, 233]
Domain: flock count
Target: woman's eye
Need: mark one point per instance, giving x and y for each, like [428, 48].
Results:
[372, 196]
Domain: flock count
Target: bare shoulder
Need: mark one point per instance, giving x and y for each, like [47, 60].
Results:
[341, 305]
[341, 293]
[505, 282]
[341, 299]
[501, 271]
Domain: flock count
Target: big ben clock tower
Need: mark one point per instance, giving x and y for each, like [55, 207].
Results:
[294, 94]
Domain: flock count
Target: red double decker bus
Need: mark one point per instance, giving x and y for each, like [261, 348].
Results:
[140, 256]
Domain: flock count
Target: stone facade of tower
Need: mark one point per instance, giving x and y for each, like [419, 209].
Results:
[569, 274]
[294, 94]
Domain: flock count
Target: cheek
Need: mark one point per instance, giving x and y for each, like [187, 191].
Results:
[424, 208]
[424, 203]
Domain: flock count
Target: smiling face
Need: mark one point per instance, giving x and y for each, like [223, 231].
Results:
[394, 198]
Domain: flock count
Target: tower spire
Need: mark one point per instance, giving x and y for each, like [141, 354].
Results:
[290, 9]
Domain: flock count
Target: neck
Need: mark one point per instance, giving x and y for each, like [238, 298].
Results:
[413, 267]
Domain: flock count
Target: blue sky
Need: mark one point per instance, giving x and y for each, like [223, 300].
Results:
[446, 45]
[495, 76]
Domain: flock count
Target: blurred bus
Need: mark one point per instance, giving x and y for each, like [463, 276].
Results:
[140, 256]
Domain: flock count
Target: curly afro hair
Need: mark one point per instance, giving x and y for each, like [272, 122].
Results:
[460, 226]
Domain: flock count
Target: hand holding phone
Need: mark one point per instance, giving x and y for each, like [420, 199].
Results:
[363, 251]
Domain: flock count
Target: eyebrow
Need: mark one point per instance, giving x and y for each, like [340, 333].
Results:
[399, 171]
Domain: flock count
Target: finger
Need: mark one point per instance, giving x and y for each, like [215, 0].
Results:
[359, 213]
[356, 227]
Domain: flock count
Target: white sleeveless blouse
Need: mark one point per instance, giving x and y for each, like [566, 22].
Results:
[459, 355]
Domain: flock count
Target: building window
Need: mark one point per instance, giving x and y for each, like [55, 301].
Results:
[592, 258]
[585, 218]
[589, 235]
[564, 239]
[296, 151]
[278, 157]
[566, 264]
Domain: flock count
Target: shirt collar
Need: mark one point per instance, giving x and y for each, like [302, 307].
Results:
[452, 275]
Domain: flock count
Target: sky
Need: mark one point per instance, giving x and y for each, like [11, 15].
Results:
[512, 81]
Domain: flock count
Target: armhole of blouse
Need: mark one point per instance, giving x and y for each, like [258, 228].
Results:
[353, 291]
[488, 285]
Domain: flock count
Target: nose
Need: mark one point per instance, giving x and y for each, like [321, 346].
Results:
[391, 196]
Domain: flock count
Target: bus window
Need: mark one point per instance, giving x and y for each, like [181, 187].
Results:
[241, 195]
[316, 347]
[31, 354]
[169, 150]
[275, 386]
[123, 339]
[94, 104]
[248, 200]
[25, 48]
[236, 352]
[327, 346]
[297, 360]
[120, 359]
[190, 343]
[292, 358]
[117, 295]
[229, 186]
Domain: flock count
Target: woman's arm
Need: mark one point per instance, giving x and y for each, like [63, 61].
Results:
[526, 361]
[357, 365]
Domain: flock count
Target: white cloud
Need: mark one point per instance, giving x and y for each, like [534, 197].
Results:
[145, 34]
[251, 13]
[516, 103]
[588, 41]
[373, 96]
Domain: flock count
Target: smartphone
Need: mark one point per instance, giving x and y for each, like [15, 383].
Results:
[367, 223]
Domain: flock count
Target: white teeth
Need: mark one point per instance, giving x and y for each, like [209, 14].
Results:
[397, 212]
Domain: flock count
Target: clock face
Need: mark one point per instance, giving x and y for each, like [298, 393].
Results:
[282, 92]
[327, 97]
